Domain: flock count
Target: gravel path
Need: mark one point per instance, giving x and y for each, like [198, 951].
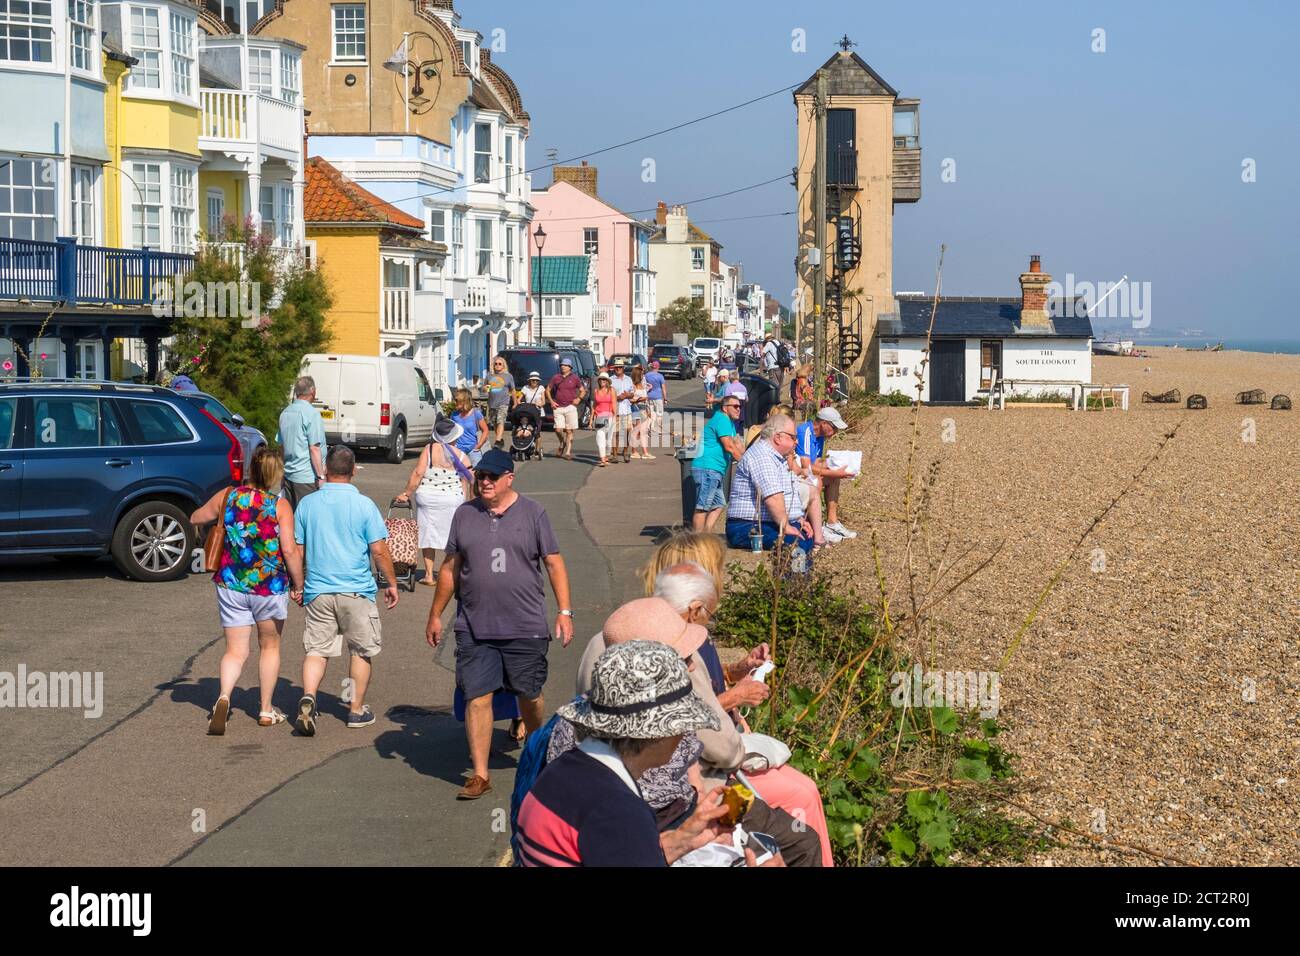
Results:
[1155, 696]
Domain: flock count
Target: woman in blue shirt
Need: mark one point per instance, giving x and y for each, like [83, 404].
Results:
[475, 432]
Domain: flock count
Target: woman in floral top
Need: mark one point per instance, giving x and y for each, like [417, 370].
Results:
[260, 569]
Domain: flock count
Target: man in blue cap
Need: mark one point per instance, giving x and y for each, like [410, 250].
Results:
[496, 548]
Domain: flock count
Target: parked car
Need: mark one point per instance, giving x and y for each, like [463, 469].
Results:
[249, 437]
[372, 401]
[673, 359]
[627, 360]
[545, 361]
[89, 468]
[707, 348]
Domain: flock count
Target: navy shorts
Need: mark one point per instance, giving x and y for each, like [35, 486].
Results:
[484, 667]
[708, 489]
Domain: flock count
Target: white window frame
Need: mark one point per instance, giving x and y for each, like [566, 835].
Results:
[510, 254]
[591, 240]
[508, 161]
[697, 298]
[458, 241]
[485, 153]
[216, 201]
[697, 259]
[145, 187]
[265, 205]
[290, 77]
[284, 214]
[38, 29]
[438, 225]
[261, 71]
[37, 187]
[346, 13]
[83, 37]
[183, 57]
[484, 256]
[84, 195]
[183, 206]
[143, 52]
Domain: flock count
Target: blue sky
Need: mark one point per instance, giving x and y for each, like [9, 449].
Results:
[1106, 164]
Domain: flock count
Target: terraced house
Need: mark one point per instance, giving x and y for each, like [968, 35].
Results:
[407, 103]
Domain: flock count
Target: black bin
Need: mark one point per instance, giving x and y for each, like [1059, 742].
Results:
[686, 460]
[763, 394]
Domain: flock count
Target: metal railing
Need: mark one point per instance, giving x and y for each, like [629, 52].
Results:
[65, 271]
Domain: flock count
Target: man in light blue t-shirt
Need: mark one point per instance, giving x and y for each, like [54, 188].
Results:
[341, 530]
[710, 467]
[302, 435]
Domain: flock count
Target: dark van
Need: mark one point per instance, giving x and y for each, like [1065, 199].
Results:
[545, 361]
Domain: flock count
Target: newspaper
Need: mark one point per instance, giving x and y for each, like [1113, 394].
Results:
[850, 461]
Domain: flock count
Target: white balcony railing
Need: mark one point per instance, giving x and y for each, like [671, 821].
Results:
[397, 311]
[248, 119]
[607, 318]
[483, 295]
[283, 258]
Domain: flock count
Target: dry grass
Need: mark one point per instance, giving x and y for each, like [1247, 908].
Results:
[1128, 693]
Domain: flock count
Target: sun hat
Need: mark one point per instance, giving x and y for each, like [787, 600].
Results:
[534, 375]
[566, 361]
[640, 691]
[446, 431]
[496, 462]
[605, 376]
[829, 414]
[653, 619]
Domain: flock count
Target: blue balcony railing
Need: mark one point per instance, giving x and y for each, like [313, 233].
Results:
[65, 271]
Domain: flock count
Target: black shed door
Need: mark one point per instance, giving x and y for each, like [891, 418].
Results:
[948, 370]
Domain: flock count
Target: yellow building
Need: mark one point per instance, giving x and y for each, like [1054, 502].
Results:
[873, 162]
[373, 259]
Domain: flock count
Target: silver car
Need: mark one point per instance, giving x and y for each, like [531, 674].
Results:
[249, 437]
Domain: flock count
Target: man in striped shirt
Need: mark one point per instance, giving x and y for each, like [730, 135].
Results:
[764, 494]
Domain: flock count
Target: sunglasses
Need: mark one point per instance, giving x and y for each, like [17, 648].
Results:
[487, 476]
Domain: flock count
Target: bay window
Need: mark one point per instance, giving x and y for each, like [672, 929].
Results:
[27, 198]
[183, 208]
[482, 152]
[484, 246]
[457, 240]
[27, 31]
[182, 37]
[146, 210]
[259, 72]
[290, 88]
[146, 46]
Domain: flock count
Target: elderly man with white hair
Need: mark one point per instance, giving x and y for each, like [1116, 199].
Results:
[764, 497]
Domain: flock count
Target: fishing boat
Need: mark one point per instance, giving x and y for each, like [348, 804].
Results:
[1112, 347]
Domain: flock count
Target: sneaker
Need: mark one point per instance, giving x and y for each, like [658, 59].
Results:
[831, 535]
[306, 722]
[839, 529]
[363, 719]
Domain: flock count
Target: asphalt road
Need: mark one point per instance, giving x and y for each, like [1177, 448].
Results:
[142, 784]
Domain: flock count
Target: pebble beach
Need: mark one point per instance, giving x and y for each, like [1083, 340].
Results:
[1153, 699]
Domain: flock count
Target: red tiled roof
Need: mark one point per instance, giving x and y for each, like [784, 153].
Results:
[332, 197]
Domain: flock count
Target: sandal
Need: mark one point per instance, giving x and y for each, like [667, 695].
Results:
[220, 714]
[269, 718]
[518, 733]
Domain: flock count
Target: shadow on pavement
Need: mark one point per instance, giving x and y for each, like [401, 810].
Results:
[432, 743]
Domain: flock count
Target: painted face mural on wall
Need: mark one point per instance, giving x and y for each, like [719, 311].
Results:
[419, 78]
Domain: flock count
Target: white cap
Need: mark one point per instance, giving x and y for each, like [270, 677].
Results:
[829, 414]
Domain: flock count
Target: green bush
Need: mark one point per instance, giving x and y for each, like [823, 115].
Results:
[902, 786]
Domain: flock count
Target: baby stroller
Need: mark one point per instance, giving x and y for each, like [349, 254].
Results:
[525, 425]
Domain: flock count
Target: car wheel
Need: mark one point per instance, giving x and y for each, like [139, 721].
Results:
[153, 542]
[397, 450]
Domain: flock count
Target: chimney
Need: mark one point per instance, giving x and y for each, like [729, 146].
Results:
[675, 225]
[1033, 295]
[661, 213]
[580, 177]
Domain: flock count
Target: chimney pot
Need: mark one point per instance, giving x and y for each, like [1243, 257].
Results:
[1035, 263]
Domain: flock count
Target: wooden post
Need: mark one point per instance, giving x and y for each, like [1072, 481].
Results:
[819, 239]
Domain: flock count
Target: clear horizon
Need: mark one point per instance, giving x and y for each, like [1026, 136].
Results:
[1124, 162]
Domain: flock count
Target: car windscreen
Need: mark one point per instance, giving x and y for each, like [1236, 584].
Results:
[706, 343]
[665, 351]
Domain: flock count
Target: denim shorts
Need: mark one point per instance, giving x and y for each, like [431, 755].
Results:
[708, 489]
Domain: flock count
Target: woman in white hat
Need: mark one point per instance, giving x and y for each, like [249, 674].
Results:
[442, 482]
[604, 412]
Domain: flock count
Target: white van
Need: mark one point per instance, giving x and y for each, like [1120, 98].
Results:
[372, 401]
[707, 347]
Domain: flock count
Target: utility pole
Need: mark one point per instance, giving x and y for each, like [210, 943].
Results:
[819, 237]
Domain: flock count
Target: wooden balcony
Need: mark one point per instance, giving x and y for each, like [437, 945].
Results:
[907, 173]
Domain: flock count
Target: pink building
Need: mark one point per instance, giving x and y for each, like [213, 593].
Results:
[577, 222]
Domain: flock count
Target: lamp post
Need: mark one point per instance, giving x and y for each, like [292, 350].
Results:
[540, 238]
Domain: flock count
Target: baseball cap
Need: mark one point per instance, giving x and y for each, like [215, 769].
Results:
[829, 414]
[496, 462]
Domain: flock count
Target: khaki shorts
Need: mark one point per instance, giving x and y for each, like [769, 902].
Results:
[567, 417]
[333, 618]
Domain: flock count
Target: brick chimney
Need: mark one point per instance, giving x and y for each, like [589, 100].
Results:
[1033, 295]
[581, 177]
[661, 213]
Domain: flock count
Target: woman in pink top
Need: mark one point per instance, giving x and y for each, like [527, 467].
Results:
[602, 415]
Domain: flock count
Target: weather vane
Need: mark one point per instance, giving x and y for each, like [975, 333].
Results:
[845, 43]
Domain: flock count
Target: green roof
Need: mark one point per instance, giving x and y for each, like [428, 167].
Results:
[560, 275]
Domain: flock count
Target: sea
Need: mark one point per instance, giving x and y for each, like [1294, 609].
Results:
[1275, 346]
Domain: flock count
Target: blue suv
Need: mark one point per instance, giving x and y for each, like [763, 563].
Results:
[88, 468]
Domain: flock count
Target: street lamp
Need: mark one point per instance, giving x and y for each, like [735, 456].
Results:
[540, 238]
